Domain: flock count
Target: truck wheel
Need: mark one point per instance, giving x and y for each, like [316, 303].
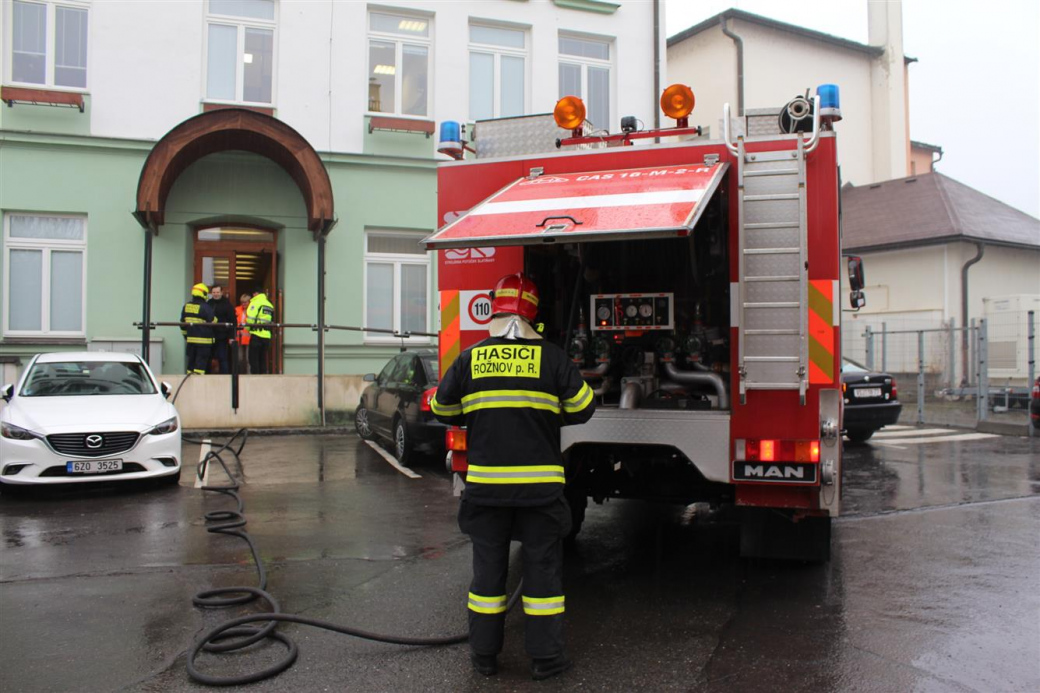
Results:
[859, 435]
[578, 500]
[766, 533]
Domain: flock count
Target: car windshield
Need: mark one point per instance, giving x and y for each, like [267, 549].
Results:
[849, 367]
[430, 363]
[75, 378]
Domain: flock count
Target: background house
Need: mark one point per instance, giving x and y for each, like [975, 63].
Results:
[92, 86]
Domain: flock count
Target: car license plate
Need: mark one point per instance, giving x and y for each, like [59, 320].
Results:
[867, 392]
[93, 466]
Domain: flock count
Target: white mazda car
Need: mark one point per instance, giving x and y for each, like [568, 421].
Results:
[82, 417]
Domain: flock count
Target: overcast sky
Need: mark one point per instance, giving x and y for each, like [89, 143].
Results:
[975, 91]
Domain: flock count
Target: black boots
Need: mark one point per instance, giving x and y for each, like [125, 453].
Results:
[484, 664]
[546, 668]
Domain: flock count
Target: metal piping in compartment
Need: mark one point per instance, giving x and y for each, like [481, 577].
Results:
[631, 393]
[699, 378]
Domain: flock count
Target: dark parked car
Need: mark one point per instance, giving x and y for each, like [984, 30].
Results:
[871, 401]
[396, 406]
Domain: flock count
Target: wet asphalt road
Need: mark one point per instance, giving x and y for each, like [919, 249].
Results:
[934, 584]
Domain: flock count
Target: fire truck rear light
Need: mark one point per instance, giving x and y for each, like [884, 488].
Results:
[767, 450]
[455, 439]
[748, 450]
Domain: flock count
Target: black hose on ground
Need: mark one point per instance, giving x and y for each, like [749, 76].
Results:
[236, 633]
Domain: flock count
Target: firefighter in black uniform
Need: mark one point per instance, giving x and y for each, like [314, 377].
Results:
[513, 392]
[198, 335]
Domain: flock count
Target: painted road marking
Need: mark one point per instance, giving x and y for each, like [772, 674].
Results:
[939, 439]
[203, 451]
[393, 462]
[911, 432]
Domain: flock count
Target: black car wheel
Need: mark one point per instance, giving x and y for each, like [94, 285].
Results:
[361, 423]
[402, 443]
[859, 435]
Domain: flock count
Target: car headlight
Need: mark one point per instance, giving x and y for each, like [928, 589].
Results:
[16, 432]
[167, 426]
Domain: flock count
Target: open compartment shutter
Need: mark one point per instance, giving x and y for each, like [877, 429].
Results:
[658, 202]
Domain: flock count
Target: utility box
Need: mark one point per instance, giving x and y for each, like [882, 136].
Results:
[1007, 326]
[119, 345]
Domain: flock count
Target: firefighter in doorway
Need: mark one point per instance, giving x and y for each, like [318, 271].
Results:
[513, 392]
[197, 334]
[259, 316]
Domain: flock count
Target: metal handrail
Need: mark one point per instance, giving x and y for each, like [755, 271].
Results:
[290, 325]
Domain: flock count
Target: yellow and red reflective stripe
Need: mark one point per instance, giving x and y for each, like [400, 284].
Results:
[450, 345]
[821, 331]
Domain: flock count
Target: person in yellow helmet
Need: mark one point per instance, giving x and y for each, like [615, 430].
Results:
[197, 333]
[259, 316]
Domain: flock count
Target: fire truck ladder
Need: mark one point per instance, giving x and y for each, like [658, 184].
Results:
[773, 351]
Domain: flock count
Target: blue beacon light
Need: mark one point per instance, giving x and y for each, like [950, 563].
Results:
[451, 139]
[830, 101]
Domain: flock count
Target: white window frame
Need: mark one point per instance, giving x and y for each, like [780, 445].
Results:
[585, 64]
[399, 41]
[51, 37]
[47, 246]
[498, 51]
[397, 260]
[241, 24]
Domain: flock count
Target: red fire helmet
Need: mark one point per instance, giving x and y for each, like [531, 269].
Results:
[515, 294]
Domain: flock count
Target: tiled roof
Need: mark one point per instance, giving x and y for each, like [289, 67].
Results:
[927, 209]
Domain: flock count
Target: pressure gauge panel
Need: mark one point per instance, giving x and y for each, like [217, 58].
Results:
[632, 312]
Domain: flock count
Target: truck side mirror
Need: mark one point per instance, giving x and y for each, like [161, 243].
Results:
[857, 299]
[856, 280]
[8, 392]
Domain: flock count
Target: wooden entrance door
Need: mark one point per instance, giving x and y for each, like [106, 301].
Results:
[243, 261]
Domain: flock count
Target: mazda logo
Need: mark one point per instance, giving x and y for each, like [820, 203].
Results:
[94, 441]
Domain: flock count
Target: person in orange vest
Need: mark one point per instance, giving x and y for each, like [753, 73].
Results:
[243, 334]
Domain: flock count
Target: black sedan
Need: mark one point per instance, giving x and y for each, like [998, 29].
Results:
[396, 406]
[871, 401]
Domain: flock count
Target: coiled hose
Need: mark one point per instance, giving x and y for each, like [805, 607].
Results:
[237, 633]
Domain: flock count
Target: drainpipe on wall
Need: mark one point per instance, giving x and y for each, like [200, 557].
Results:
[740, 64]
[657, 66]
[964, 310]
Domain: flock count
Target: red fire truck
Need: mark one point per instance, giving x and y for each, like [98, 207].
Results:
[695, 282]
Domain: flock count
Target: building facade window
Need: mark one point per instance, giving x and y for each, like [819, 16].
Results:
[240, 50]
[397, 285]
[44, 268]
[48, 43]
[399, 64]
[497, 72]
[585, 66]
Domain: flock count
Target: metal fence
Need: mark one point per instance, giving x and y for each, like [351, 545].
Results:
[950, 375]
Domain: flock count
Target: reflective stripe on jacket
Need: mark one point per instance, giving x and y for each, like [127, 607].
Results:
[259, 313]
[240, 318]
[513, 396]
[197, 313]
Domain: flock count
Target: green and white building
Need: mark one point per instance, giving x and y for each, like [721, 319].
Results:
[124, 116]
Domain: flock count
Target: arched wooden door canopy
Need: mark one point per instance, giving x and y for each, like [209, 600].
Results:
[234, 129]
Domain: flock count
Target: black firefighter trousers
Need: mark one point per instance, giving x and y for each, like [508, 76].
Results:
[541, 530]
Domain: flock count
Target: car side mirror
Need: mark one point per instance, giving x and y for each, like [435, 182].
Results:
[8, 392]
[369, 377]
[165, 388]
[857, 299]
[856, 279]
